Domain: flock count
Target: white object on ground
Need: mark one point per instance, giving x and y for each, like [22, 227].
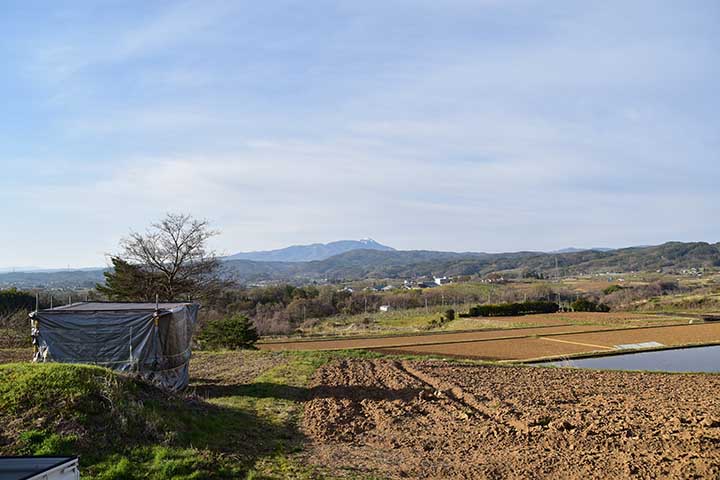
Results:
[633, 346]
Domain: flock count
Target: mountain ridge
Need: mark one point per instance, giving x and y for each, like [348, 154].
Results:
[402, 264]
[310, 252]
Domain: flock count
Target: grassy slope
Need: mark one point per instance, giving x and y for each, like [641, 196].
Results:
[124, 429]
[681, 303]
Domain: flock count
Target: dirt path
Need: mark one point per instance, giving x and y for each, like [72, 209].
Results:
[212, 372]
[12, 355]
[442, 420]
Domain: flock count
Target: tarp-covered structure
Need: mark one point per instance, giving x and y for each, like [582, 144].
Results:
[152, 340]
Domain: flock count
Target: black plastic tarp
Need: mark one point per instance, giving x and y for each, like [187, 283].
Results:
[153, 341]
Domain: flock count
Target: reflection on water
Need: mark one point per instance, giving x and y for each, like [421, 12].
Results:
[697, 359]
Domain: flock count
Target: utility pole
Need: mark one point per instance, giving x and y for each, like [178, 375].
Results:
[557, 270]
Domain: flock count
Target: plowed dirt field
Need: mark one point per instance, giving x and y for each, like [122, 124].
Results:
[432, 419]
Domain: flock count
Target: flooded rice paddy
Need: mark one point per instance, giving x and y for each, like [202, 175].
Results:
[696, 359]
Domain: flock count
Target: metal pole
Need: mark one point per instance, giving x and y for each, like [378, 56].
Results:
[132, 366]
[37, 301]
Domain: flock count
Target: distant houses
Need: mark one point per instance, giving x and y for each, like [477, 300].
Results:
[380, 288]
[410, 284]
[426, 282]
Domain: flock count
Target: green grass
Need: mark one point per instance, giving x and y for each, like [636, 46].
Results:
[112, 421]
[681, 303]
[394, 322]
[398, 320]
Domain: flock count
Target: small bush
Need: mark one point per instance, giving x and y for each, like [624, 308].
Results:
[585, 305]
[41, 442]
[513, 309]
[233, 333]
[14, 329]
[612, 289]
[449, 314]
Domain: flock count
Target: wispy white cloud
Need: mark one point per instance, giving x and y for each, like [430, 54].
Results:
[451, 125]
[91, 45]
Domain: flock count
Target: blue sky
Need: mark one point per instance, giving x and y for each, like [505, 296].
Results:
[487, 125]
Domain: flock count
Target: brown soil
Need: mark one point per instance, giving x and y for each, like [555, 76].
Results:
[443, 420]
[437, 338]
[551, 345]
[13, 355]
[676, 335]
[615, 318]
[511, 349]
[211, 371]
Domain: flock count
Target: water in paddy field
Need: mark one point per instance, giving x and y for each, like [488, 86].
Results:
[697, 359]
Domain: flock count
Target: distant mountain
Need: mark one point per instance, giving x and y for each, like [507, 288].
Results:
[309, 253]
[46, 270]
[56, 279]
[368, 263]
[576, 250]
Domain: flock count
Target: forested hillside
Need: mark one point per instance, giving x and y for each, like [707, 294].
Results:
[362, 264]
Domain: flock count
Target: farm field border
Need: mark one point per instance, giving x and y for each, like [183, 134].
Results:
[331, 337]
[364, 344]
[338, 338]
[528, 332]
[537, 348]
[609, 353]
[566, 317]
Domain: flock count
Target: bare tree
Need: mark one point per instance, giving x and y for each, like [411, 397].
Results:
[173, 254]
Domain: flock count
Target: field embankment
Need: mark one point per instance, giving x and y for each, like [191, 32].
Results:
[122, 428]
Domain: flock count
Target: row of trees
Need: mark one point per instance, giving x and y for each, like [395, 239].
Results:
[585, 305]
[14, 326]
[513, 309]
[13, 300]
